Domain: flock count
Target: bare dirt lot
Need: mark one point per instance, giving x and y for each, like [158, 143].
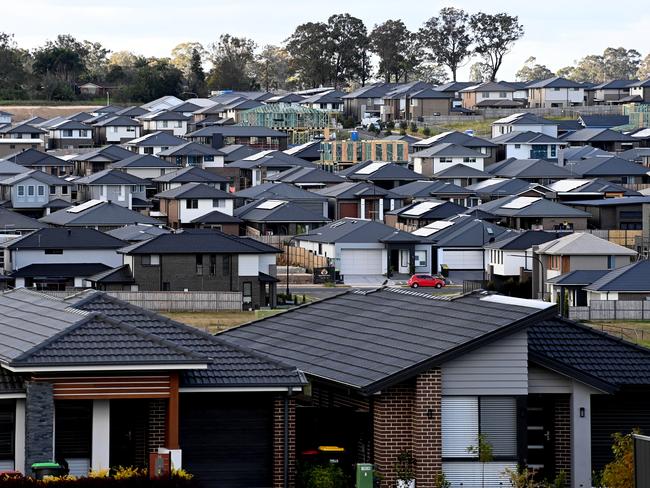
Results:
[23, 112]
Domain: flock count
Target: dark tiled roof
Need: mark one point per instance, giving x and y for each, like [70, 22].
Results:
[61, 271]
[607, 121]
[111, 177]
[352, 190]
[190, 149]
[427, 188]
[358, 339]
[277, 190]
[514, 206]
[157, 139]
[14, 221]
[61, 238]
[191, 174]
[528, 168]
[143, 161]
[523, 240]
[103, 214]
[283, 212]
[384, 172]
[578, 277]
[594, 357]
[462, 171]
[448, 149]
[603, 166]
[632, 278]
[454, 137]
[302, 175]
[526, 137]
[121, 274]
[597, 135]
[137, 232]
[466, 231]
[420, 210]
[195, 190]
[216, 217]
[556, 82]
[357, 231]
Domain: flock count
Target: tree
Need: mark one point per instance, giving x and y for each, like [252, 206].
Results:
[430, 73]
[348, 40]
[621, 63]
[479, 72]
[63, 58]
[182, 55]
[152, 78]
[95, 60]
[390, 41]
[643, 73]
[232, 63]
[125, 59]
[311, 54]
[533, 71]
[196, 75]
[493, 36]
[273, 68]
[13, 74]
[447, 38]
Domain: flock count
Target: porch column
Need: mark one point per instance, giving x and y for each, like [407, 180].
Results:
[101, 445]
[427, 427]
[39, 423]
[580, 436]
[19, 436]
[172, 413]
[284, 442]
[362, 211]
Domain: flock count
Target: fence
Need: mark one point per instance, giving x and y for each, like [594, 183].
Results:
[612, 310]
[626, 238]
[175, 301]
[303, 258]
[572, 112]
[471, 285]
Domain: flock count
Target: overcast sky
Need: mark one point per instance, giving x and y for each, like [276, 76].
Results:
[557, 31]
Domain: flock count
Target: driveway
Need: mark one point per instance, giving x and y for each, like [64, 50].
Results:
[364, 281]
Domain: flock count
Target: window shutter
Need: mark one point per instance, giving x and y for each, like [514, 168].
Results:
[499, 425]
[459, 426]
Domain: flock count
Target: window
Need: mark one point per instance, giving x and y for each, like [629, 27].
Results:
[400, 152]
[166, 286]
[64, 190]
[191, 203]
[421, 258]
[469, 160]
[446, 160]
[213, 264]
[7, 423]
[611, 262]
[247, 292]
[464, 418]
[150, 260]
[199, 264]
[517, 146]
[379, 152]
[179, 124]
[67, 133]
[556, 89]
[208, 159]
[21, 190]
[54, 251]
[30, 190]
[503, 95]
[53, 190]
[216, 202]
[553, 151]
[554, 262]
[114, 128]
[225, 265]
[389, 152]
[164, 124]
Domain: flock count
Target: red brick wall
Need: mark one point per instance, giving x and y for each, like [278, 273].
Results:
[427, 429]
[407, 418]
[278, 442]
[562, 420]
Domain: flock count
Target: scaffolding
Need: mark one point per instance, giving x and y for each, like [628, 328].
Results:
[639, 114]
[301, 124]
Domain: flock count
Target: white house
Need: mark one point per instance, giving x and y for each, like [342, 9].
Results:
[524, 122]
[556, 92]
[174, 123]
[183, 204]
[443, 156]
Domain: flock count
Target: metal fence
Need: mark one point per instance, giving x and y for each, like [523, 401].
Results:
[612, 310]
[175, 301]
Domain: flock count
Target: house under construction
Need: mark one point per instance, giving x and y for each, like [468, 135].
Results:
[301, 124]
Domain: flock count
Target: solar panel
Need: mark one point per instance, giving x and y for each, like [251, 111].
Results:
[421, 208]
[257, 156]
[270, 204]
[85, 206]
[371, 168]
[521, 202]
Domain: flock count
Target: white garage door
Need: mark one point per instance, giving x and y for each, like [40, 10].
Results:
[462, 259]
[361, 262]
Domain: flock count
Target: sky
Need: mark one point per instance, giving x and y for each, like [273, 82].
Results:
[558, 32]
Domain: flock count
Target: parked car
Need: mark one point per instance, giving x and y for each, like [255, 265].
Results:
[418, 280]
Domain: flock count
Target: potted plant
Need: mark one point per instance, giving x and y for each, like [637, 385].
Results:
[405, 470]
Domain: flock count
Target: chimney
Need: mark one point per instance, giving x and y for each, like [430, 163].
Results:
[217, 140]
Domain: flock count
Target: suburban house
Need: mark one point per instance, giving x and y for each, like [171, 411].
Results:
[419, 214]
[117, 414]
[556, 92]
[115, 186]
[524, 122]
[572, 189]
[185, 203]
[483, 146]
[116, 129]
[625, 283]
[511, 258]
[31, 191]
[96, 160]
[308, 178]
[190, 154]
[381, 173]
[190, 174]
[359, 200]
[256, 168]
[528, 145]
[154, 142]
[440, 157]
[14, 223]
[9, 146]
[205, 260]
[47, 163]
[233, 152]
[423, 190]
[579, 251]
[22, 130]
[69, 134]
[137, 232]
[457, 245]
[640, 91]
[57, 258]
[534, 213]
[220, 221]
[490, 95]
[610, 92]
[397, 102]
[309, 200]
[170, 122]
[218, 136]
[331, 100]
[279, 217]
[494, 188]
[367, 101]
[614, 169]
[144, 166]
[619, 213]
[605, 139]
[462, 175]
[344, 153]
[364, 251]
[430, 384]
[539, 171]
[97, 214]
[429, 102]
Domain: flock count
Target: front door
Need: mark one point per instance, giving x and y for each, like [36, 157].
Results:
[129, 444]
[540, 440]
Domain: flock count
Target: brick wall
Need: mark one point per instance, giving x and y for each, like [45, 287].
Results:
[427, 429]
[157, 424]
[39, 422]
[278, 442]
[392, 429]
[562, 421]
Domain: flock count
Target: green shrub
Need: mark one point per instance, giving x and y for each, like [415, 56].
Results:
[390, 125]
[414, 127]
[426, 131]
[403, 125]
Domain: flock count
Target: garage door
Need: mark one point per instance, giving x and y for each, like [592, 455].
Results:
[361, 262]
[227, 440]
[462, 259]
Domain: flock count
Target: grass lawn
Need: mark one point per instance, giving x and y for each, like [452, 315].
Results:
[637, 331]
[213, 322]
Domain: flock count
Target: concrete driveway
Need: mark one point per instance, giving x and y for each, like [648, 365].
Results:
[364, 281]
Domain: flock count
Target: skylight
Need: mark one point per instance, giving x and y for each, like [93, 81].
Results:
[371, 168]
[270, 204]
[421, 208]
[85, 206]
[521, 202]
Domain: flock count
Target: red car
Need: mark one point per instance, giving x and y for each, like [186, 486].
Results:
[418, 280]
